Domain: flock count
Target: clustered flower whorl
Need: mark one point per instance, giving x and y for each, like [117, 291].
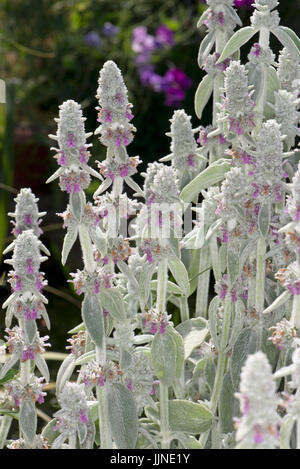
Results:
[288, 71]
[263, 17]
[114, 110]
[183, 145]
[72, 418]
[161, 184]
[268, 161]
[236, 111]
[26, 213]
[72, 154]
[293, 200]
[71, 136]
[26, 261]
[258, 428]
[220, 16]
[287, 115]
[138, 378]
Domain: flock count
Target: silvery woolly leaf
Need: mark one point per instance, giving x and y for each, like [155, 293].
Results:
[281, 300]
[8, 365]
[245, 344]
[49, 432]
[236, 41]
[233, 265]
[92, 316]
[264, 218]
[9, 376]
[122, 416]
[167, 356]
[30, 330]
[189, 441]
[212, 175]
[231, 11]
[195, 239]
[42, 366]
[69, 240]
[238, 322]
[286, 428]
[88, 442]
[125, 358]
[203, 94]
[205, 47]
[80, 327]
[180, 274]
[288, 41]
[86, 358]
[99, 240]
[200, 20]
[272, 85]
[77, 203]
[58, 442]
[223, 257]
[133, 185]
[45, 317]
[55, 175]
[292, 35]
[103, 187]
[212, 229]
[229, 405]
[193, 331]
[269, 349]
[145, 284]
[171, 287]
[185, 416]
[213, 319]
[256, 78]
[65, 371]
[174, 243]
[112, 301]
[210, 372]
[81, 432]
[28, 420]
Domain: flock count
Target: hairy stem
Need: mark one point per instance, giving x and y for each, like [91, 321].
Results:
[105, 435]
[4, 429]
[203, 283]
[184, 309]
[164, 415]
[260, 279]
[221, 366]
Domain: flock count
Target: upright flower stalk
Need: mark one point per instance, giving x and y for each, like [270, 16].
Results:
[26, 304]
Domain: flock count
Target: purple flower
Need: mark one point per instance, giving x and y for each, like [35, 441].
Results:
[142, 41]
[83, 417]
[109, 29]
[243, 3]
[149, 78]
[176, 82]
[164, 35]
[93, 39]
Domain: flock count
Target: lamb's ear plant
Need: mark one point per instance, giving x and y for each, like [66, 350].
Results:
[224, 371]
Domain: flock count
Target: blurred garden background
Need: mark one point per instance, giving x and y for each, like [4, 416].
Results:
[52, 50]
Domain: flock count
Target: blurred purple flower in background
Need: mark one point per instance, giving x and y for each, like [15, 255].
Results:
[109, 29]
[150, 78]
[142, 41]
[240, 3]
[164, 35]
[92, 39]
[243, 3]
[175, 82]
